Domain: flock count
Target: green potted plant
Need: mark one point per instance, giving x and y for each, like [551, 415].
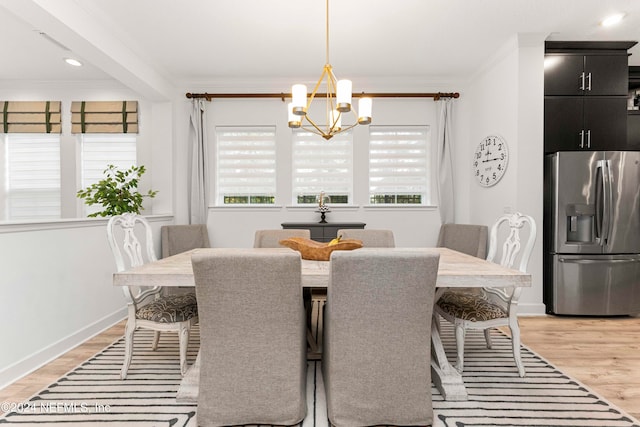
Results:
[117, 192]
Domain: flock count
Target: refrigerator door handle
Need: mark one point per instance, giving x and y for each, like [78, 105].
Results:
[608, 201]
[600, 184]
[595, 261]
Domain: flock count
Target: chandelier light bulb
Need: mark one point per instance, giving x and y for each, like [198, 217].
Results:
[365, 105]
[343, 95]
[299, 99]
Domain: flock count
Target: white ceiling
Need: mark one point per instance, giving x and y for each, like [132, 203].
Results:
[164, 44]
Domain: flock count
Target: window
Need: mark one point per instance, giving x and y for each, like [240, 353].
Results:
[399, 159]
[246, 159]
[32, 176]
[322, 166]
[101, 150]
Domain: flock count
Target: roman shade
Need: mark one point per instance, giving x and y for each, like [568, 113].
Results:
[104, 117]
[30, 116]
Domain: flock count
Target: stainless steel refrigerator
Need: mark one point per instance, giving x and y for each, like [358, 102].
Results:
[592, 233]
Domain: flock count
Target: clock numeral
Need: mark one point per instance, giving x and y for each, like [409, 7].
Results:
[475, 164]
[499, 147]
[477, 172]
[500, 167]
[494, 176]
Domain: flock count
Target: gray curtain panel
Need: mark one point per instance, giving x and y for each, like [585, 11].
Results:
[444, 164]
[198, 164]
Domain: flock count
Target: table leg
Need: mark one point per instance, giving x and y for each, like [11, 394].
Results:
[315, 324]
[444, 376]
[188, 389]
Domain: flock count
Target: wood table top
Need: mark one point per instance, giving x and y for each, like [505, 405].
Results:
[455, 270]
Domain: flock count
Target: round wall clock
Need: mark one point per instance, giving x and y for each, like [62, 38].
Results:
[490, 160]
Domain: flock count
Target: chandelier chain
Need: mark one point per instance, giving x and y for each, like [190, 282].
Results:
[327, 30]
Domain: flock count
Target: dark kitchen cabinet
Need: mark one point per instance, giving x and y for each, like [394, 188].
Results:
[588, 75]
[585, 88]
[585, 123]
[633, 130]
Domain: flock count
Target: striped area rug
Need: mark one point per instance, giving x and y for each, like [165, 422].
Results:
[93, 394]
[499, 397]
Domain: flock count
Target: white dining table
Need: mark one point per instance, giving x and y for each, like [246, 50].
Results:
[455, 270]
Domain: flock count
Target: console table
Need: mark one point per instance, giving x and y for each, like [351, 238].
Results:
[323, 232]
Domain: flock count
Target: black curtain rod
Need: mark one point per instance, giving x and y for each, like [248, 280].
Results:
[436, 95]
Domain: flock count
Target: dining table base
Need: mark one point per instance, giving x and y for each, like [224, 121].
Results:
[445, 377]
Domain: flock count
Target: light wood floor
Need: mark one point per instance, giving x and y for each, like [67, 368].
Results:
[604, 354]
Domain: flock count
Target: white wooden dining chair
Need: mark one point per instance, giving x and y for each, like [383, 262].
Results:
[147, 307]
[492, 307]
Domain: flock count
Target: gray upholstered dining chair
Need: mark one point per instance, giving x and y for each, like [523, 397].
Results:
[181, 238]
[377, 337]
[493, 307]
[270, 238]
[252, 337]
[370, 238]
[470, 239]
[147, 307]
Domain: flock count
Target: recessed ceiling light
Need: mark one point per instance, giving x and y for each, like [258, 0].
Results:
[612, 20]
[73, 62]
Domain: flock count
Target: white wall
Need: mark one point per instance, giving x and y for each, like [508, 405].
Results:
[56, 277]
[506, 98]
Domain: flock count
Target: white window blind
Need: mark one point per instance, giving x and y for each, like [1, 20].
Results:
[246, 165]
[322, 166]
[399, 165]
[32, 179]
[101, 150]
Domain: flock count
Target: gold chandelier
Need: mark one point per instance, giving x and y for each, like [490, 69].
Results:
[338, 101]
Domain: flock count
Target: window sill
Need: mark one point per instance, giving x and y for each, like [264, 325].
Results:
[248, 207]
[58, 224]
[402, 207]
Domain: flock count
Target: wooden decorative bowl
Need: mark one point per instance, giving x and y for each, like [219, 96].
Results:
[317, 251]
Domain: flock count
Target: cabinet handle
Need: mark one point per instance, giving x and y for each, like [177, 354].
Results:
[582, 81]
[581, 138]
[589, 81]
[589, 138]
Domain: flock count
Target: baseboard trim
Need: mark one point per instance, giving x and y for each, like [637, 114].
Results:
[536, 309]
[30, 363]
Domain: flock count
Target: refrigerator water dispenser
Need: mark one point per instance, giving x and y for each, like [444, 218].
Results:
[580, 223]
